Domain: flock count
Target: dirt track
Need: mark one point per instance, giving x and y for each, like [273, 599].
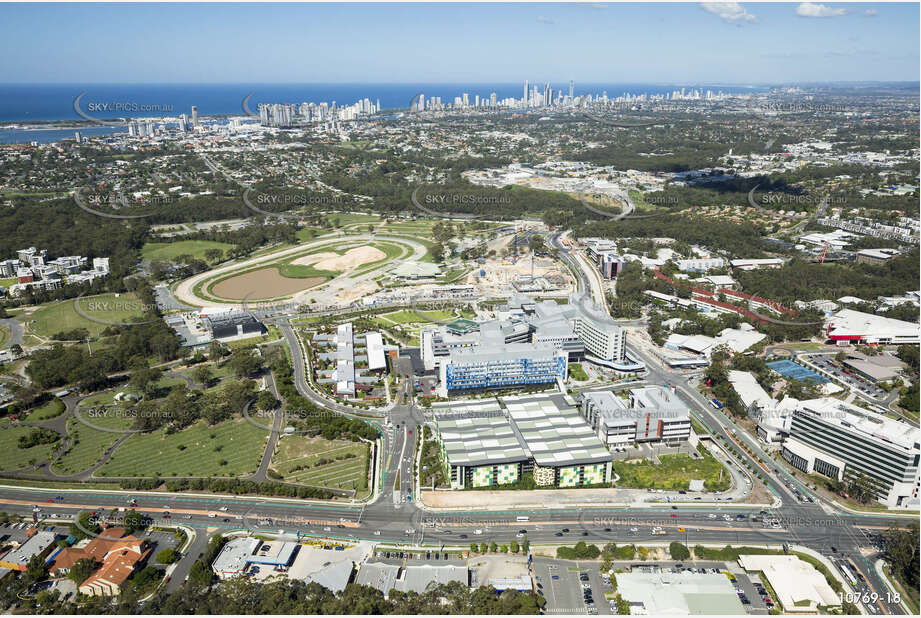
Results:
[262, 283]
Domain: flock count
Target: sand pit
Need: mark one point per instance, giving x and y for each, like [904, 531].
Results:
[262, 283]
[350, 259]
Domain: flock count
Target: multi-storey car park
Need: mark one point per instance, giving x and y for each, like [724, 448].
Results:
[488, 443]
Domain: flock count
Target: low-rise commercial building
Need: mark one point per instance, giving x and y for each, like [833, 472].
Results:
[849, 326]
[241, 553]
[754, 264]
[799, 587]
[39, 544]
[232, 324]
[876, 256]
[386, 577]
[664, 593]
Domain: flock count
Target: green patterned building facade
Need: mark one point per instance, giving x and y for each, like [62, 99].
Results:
[589, 474]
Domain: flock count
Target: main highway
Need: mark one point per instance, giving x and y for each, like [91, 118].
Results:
[393, 517]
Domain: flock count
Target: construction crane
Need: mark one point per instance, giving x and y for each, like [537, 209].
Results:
[822, 257]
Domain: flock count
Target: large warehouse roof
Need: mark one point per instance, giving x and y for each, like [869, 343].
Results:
[848, 324]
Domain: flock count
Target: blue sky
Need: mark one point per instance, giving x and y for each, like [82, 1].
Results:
[476, 43]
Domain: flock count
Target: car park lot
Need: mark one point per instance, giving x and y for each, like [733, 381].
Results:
[827, 364]
[564, 587]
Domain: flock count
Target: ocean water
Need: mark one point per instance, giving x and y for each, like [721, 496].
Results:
[22, 103]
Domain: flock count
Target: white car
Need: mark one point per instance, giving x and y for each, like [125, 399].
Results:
[377, 533]
[712, 516]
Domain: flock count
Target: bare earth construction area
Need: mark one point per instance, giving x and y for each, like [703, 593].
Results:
[352, 258]
[262, 283]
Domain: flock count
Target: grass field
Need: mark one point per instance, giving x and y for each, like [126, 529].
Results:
[300, 459]
[48, 411]
[674, 472]
[60, 316]
[411, 317]
[306, 234]
[166, 251]
[231, 448]
[4, 335]
[12, 457]
[6, 283]
[89, 444]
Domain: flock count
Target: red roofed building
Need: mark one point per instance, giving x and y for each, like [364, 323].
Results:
[119, 554]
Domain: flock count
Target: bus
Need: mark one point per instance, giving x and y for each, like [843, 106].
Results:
[522, 518]
[848, 576]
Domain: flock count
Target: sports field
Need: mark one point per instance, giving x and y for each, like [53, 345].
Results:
[337, 464]
[61, 316]
[166, 251]
[231, 448]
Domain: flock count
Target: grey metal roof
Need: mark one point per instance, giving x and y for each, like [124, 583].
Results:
[387, 577]
[476, 434]
[553, 431]
[335, 577]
